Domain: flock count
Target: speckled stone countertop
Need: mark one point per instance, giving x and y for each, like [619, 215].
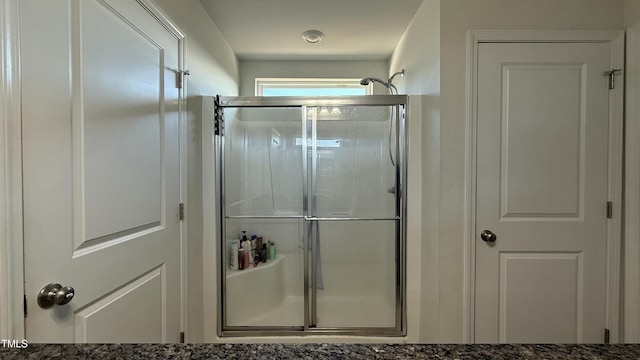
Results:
[320, 351]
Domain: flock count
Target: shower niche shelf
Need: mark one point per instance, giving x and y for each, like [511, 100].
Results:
[263, 285]
[260, 267]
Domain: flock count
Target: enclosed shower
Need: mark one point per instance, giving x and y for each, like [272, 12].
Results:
[311, 215]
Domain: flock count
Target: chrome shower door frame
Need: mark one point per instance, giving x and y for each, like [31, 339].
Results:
[399, 103]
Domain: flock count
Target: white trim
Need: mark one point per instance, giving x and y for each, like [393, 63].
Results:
[164, 20]
[210, 274]
[413, 264]
[616, 181]
[474, 38]
[11, 242]
[262, 83]
[632, 190]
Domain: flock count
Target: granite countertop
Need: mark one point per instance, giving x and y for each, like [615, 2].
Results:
[319, 351]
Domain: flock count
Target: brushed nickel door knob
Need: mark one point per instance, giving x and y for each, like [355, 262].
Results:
[488, 236]
[55, 294]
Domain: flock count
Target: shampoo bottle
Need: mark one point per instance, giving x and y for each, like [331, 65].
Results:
[233, 254]
[272, 250]
[259, 244]
[253, 248]
[240, 259]
[247, 250]
[263, 253]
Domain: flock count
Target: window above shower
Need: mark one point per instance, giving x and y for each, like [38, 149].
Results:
[310, 87]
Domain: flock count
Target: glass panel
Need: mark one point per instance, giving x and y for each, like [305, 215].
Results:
[354, 174]
[356, 273]
[271, 292]
[263, 162]
[311, 91]
[351, 162]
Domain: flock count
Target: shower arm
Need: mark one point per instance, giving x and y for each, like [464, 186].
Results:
[401, 73]
[393, 91]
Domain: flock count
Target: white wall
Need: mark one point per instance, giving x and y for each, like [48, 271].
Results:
[252, 69]
[631, 13]
[214, 70]
[457, 17]
[418, 52]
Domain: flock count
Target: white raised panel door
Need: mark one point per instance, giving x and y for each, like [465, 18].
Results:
[542, 169]
[101, 171]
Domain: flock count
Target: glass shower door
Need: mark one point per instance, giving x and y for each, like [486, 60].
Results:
[353, 217]
[319, 179]
[262, 200]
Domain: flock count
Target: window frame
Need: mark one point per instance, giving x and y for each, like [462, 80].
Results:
[276, 83]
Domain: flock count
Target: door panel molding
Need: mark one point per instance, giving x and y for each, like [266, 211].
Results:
[133, 295]
[616, 39]
[11, 240]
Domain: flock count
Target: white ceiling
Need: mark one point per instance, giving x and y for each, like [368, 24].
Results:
[271, 29]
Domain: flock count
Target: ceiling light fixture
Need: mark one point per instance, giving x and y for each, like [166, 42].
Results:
[312, 36]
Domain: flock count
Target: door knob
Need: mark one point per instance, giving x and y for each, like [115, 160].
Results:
[488, 236]
[55, 294]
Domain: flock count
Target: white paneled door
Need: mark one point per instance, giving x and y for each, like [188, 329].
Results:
[542, 192]
[101, 172]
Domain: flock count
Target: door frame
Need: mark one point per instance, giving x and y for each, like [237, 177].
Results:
[615, 172]
[632, 193]
[11, 242]
[12, 305]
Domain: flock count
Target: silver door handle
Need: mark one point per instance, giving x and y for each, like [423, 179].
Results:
[55, 294]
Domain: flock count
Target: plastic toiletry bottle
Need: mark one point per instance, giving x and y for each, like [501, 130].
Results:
[259, 244]
[272, 250]
[253, 248]
[240, 259]
[263, 253]
[243, 244]
[233, 254]
[247, 250]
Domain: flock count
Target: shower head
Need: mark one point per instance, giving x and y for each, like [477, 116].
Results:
[388, 84]
[367, 81]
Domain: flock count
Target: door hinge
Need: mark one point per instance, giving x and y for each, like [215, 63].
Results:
[609, 209]
[607, 336]
[611, 74]
[182, 337]
[25, 305]
[180, 74]
[181, 211]
[218, 118]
